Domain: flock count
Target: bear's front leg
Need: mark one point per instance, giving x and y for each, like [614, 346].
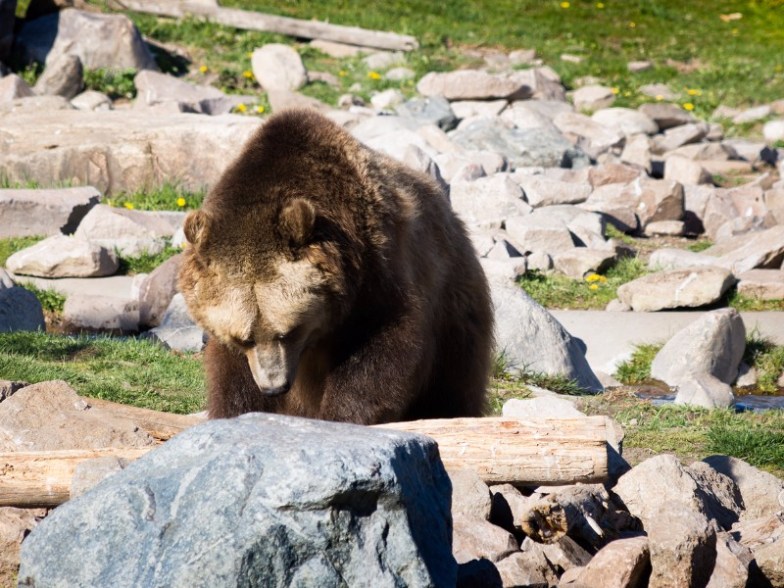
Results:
[379, 380]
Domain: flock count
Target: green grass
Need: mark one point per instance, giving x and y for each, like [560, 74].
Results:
[115, 84]
[51, 300]
[637, 369]
[165, 197]
[735, 300]
[131, 371]
[693, 433]
[146, 262]
[595, 292]
[11, 245]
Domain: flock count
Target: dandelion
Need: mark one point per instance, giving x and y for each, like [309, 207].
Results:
[241, 107]
[181, 202]
[600, 5]
[247, 74]
[342, 73]
[203, 69]
[249, 55]
[659, 97]
[565, 5]
[374, 75]
[615, 90]
[128, 205]
[688, 106]
[260, 109]
[632, 25]
[593, 287]
[694, 92]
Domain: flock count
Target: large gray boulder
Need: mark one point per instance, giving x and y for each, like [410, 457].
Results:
[62, 256]
[260, 500]
[45, 212]
[20, 310]
[530, 339]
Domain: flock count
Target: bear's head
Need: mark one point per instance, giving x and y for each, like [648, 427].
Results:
[263, 284]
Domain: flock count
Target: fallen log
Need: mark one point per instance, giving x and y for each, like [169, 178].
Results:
[555, 451]
[257, 21]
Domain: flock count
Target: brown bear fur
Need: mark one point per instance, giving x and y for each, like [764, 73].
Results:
[335, 283]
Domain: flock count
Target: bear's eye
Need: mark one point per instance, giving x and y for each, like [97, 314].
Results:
[244, 343]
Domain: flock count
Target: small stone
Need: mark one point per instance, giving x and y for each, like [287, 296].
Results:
[62, 76]
[475, 538]
[592, 98]
[470, 495]
[686, 171]
[639, 66]
[61, 256]
[278, 67]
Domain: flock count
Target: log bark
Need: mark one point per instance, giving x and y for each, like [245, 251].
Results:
[257, 21]
[556, 451]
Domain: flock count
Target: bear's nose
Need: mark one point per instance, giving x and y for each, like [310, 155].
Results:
[279, 390]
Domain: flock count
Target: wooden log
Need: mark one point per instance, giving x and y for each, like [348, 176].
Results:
[257, 21]
[556, 451]
[32, 479]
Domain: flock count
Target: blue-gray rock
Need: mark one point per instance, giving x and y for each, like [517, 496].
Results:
[434, 110]
[542, 146]
[260, 500]
[20, 310]
[530, 339]
[177, 330]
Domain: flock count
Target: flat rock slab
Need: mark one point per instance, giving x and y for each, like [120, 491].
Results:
[684, 288]
[62, 256]
[260, 500]
[27, 213]
[118, 151]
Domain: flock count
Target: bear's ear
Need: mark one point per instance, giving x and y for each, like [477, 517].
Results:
[296, 221]
[195, 226]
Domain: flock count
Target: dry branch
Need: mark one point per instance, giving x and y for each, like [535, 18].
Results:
[257, 21]
[557, 451]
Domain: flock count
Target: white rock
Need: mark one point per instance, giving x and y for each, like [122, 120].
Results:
[626, 120]
[130, 232]
[705, 391]
[685, 171]
[773, 130]
[60, 256]
[488, 202]
[592, 98]
[278, 67]
[684, 288]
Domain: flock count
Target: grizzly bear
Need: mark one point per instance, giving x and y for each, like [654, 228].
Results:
[335, 283]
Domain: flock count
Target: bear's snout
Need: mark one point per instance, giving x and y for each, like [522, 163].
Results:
[278, 391]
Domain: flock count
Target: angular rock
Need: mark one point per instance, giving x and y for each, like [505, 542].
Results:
[763, 249]
[531, 339]
[51, 416]
[91, 100]
[278, 67]
[526, 569]
[62, 76]
[665, 115]
[626, 120]
[506, 270]
[682, 288]
[705, 391]
[658, 200]
[15, 525]
[592, 98]
[751, 115]
[669, 259]
[578, 262]
[665, 228]
[13, 87]
[637, 152]
[507, 506]
[475, 538]
[432, 110]
[61, 256]
[387, 99]
[713, 345]
[20, 309]
[177, 330]
[45, 212]
[101, 313]
[587, 134]
[478, 108]
[470, 495]
[129, 232]
[289, 501]
[723, 502]
[762, 493]
[157, 290]
[543, 191]
[155, 88]
[734, 211]
[531, 114]
[681, 135]
[563, 555]
[119, 151]
[762, 284]
[520, 147]
[487, 202]
[685, 171]
[732, 564]
[539, 233]
[683, 549]
[623, 563]
[615, 203]
[470, 84]
[100, 41]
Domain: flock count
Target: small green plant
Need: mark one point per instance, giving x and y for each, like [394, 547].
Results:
[115, 84]
[700, 245]
[11, 245]
[146, 262]
[637, 369]
[740, 302]
[767, 358]
[168, 196]
[51, 300]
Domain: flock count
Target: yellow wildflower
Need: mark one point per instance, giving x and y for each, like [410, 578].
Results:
[247, 74]
[615, 90]
[203, 69]
[342, 73]
[260, 109]
[632, 25]
[688, 106]
[241, 107]
[565, 5]
[181, 202]
[374, 75]
[600, 5]
[593, 287]
[659, 97]
[128, 205]
[694, 92]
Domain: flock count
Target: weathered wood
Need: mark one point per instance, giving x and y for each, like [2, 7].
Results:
[557, 451]
[507, 450]
[257, 21]
[160, 425]
[32, 479]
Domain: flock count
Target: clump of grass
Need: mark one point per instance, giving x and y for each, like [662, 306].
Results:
[165, 197]
[51, 300]
[146, 262]
[127, 370]
[11, 245]
[742, 303]
[637, 369]
[758, 440]
[115, 84]
[700, 245]
[767, 358]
